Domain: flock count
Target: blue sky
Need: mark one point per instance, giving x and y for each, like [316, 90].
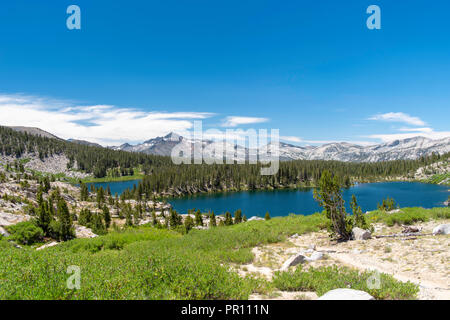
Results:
[138, 69]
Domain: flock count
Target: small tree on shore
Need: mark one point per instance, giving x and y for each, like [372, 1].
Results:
[188, 223]
[198, 218]
[228, 219]
[358, 218]
[212, 220]
[329, 196]
[238, 216]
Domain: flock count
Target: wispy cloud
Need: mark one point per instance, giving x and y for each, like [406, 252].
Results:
[234, 121]
[416, 129]
[398, 117]
[291, 139]
[104, 124]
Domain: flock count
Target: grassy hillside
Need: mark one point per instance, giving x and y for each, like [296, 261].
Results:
[151, 263]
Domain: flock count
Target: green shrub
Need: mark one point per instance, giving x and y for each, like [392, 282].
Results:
[324, 279]
[26, 232]
[409, 216]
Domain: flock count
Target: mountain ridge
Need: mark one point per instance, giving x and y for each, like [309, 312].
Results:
[403, 149]
[410, 148]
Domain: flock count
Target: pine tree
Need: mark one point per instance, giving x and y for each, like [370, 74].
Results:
[238, 216]
[100, 197]
[84, 192]
[106, 216]
[188, 223]
[175, 219]
[154, 219]
[329, 196]
[97, 224]
[228, 219]
[198, 218]
[358, 218]
[66, 231]
[128, 217]
[43, 216]
[212, 220]
[267, 216]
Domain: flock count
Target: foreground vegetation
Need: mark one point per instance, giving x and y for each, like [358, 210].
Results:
[152, 263]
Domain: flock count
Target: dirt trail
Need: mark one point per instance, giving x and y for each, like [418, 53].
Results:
[423, 260]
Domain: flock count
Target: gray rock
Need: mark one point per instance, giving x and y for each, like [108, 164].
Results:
[293, 261]
[315, 256]
[442, 229]
[3, 232]
[346, 294]
[255, 218]
[360, 234]
[48, 245]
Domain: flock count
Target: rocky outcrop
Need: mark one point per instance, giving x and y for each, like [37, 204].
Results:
[84, 232]
[7, 219]
[360, 234]
[442, 229]
[3, 232]
[346, 294]
[48, 245]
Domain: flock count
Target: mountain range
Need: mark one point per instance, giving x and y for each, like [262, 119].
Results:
[411, 148]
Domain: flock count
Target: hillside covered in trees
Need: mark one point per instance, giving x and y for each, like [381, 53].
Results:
[165, 178]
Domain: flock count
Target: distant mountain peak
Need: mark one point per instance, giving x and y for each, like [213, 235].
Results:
[34, 131]
[172, 136]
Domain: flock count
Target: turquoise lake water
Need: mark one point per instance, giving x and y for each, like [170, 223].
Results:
[283, 202]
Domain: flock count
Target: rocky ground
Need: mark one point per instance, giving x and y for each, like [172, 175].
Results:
[56, 164]
[427, 172]
[423, 260]
[17, 195]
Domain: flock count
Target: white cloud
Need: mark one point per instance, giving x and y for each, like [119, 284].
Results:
[416, 129]
[398, 117]
[291, 139]
[234, 121]
[104, 124]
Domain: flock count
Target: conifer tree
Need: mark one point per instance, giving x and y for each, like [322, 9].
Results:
[106, 216]
[228, 219]
[66, 231]
[238, 216]
[188, 223]
[175, 219]
[329, 196]
[198, 218]
[212, 220]
[84, 192]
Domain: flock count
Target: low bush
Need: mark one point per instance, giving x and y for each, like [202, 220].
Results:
[409, 216]
[324, 279]
[25, 232]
